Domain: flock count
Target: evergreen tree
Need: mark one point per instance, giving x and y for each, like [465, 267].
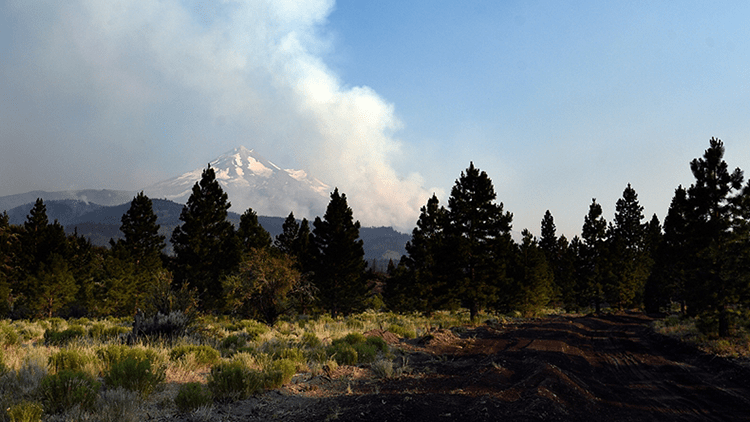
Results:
[46, 282]
[532, 276]
[594, 270]
[565, 272]
[251, 234]
[553, 252]
[631, 264]
[548, 241]
[9, 244]
[286, 239]
[141, 240]
[479, 235]
[303, 248]
[206, 245]
[426, 287]
[655, 295]
[339, 258]
[717, 275]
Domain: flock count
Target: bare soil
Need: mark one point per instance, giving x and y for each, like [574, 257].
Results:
[591, 368]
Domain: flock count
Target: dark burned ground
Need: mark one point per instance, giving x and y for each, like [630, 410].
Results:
[606, 368]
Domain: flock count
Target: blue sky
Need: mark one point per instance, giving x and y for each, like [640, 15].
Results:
[389, 100]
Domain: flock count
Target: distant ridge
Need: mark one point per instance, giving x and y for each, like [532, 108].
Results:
[105, 197]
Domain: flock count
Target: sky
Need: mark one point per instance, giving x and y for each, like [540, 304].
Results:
[559, 102]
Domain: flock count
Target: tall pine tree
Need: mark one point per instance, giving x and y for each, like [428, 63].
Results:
[425, 287]
[479, 235]
[206, 245]
[593, 254]
[339, 263]
[631, 263]
[717, 275]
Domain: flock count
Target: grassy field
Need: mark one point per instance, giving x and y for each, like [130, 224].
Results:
[84, 369]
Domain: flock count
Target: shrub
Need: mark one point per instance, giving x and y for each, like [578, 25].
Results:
[26, 411]
[233, 342]
[354, 338]
[67, 389]
[309, 339]
[73, 360]
[204, 355]
[8, 335]
[230, 381]
[343, 353]
[279, 372]
[160, 326]
[382, 368]
[135, 375]
[254, 329]
[53, 337]
[365, 352]
[101, 332]
[114, 353]
[117, 405]
[192, 396]
[402, 331]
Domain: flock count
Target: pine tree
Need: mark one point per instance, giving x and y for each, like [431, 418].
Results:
[46, 283]
[594, 265]
[339, 258]
[289, 231]
[251, 234]
[532, 276]
[553, 252]
[718, 246]
[626, 243]
[426, 287]
[479, 235]
[206, 245]
[141, 239]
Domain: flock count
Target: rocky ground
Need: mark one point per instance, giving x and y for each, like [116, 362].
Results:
[591, 368]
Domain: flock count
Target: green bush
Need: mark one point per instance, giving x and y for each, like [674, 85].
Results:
[402, 331]
[230, 381]
[135, 375]
[280, 372]
[343, 353]
[26, 411]
[192, 396]
[67, 389]
[378, 343]
[114, 353]
[366, 352]
[233, 342]
[100, 331]
[73, 360]
[354, 338]
[254, 329]
[53, 337]
[8, 335]
[310, 340]
[204, 355]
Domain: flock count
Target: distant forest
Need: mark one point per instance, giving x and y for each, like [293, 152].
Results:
[461, 255]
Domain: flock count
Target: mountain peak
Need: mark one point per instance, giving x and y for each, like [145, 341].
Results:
[252, 181]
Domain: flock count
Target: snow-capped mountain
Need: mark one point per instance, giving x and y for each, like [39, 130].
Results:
[251, 181]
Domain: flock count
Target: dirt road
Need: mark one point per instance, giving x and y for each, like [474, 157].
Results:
[607, 368]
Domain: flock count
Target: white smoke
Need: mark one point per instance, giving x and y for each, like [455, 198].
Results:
[132, 83]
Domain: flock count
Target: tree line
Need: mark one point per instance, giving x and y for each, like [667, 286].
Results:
[461, 254]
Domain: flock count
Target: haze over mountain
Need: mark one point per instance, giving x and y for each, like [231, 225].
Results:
[252, 181]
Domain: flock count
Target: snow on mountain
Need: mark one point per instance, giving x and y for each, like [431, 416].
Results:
[252, 181]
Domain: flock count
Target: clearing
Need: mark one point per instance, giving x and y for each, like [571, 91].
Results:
[589, 368]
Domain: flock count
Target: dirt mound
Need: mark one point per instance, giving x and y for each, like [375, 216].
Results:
[386, 335]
